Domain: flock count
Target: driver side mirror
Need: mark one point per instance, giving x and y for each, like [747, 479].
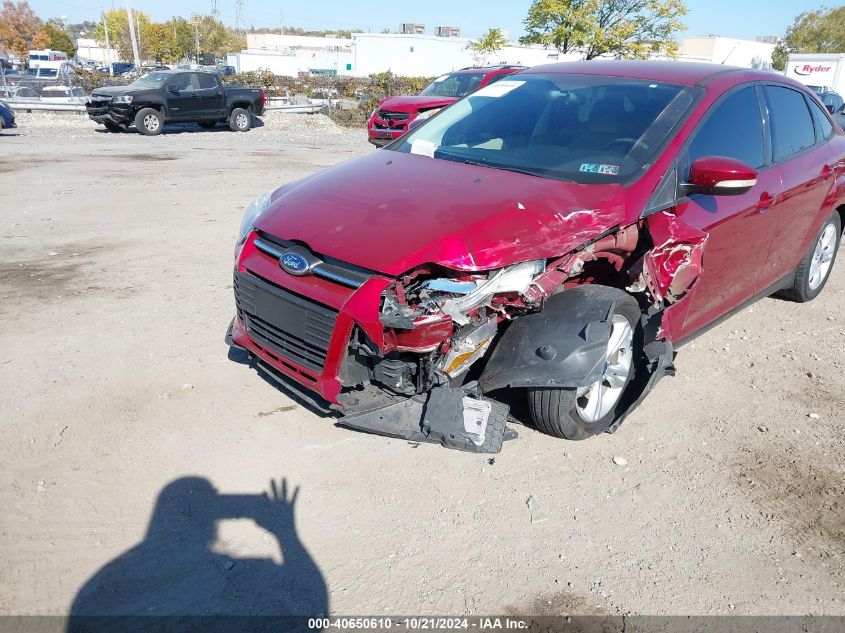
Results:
[720, 176]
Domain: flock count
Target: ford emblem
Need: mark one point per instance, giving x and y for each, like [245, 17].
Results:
[294, 263]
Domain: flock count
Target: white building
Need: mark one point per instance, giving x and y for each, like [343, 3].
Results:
[419, 55]
[728, 51]
[404, 54]
[90, 49]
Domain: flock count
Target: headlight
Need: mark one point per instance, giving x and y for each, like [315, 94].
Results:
[428, 114]
[123, 99]
[252, 213]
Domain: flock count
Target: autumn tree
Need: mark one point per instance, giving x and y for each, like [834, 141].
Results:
[620, 28]
[820, 31]
[18, 26]
[54, 37]
[491, 42]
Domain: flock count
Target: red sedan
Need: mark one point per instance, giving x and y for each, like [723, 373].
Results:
[556, 235]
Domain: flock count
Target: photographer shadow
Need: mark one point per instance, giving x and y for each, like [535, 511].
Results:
[173, 574]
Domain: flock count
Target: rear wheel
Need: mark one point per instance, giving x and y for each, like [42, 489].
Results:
[149, 121]
[814, 269]
[111, 126]
[576, 414]
[240, 120]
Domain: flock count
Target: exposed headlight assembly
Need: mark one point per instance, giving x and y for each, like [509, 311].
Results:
[516, 278]
[122, 99]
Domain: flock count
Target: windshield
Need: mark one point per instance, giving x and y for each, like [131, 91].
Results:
[152, 80]
[457, 85]
[582, 128]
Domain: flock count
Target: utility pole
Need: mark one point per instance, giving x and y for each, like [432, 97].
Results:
[108, 45]
[135, 54]
[197, 38]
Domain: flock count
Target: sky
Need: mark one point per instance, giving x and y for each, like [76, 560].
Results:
[730, 18]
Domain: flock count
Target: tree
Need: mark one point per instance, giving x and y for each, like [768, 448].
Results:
[55, 38]
[621, 28]
[489, 43]
[820, 31]
[119, 38]
[18, 26]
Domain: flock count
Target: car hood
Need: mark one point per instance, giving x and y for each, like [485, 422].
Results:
[391, 212]
[114, 91]
[414, 103]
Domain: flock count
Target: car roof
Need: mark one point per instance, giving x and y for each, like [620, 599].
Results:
[486, 69]
[687, 73]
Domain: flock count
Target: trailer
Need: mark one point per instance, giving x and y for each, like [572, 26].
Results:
[819, 72]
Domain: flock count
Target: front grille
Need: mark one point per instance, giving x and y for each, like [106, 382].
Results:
[396, 120]
[287, 324]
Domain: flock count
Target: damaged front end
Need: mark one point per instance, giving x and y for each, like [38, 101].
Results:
[437, 325]
[453, 339]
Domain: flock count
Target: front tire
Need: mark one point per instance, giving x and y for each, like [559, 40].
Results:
[149, 122]
[813, 271]
[240, 120]
[576, 414]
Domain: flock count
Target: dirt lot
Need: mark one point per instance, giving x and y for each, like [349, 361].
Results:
[115, 293]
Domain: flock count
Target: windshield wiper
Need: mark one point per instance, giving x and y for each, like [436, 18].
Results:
[516, 170]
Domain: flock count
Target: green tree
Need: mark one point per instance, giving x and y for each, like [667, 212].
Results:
[119, 38]
[621, 28]
[18, 26]
[216, 38]
[820, 31]
[54, 37]
[488, 44]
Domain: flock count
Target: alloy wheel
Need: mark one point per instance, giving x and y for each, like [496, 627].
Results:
[822, 257]
[595, 401]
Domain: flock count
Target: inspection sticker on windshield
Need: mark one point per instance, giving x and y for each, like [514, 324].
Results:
[498, 89]
[596, 168]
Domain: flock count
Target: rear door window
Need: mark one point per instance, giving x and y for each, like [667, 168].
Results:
[207, 81]
[792, 124]
[733, 129]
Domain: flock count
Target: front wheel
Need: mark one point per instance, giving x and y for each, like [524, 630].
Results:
[814, 269]
[576, 414]
[149, 121]
[240, 120]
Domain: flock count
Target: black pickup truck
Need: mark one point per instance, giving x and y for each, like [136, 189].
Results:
[175, 96]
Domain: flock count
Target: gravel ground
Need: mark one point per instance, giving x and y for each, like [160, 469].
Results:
[296, 129]
[115, 292]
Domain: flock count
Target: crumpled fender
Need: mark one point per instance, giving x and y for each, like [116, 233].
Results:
[563, 345]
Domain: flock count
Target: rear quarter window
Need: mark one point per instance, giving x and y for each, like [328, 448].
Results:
[824, 128]
[207, 81]
[792, 124]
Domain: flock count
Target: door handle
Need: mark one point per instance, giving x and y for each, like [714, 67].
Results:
[765, 201]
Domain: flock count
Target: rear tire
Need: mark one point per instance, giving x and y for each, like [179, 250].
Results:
[576, 414]
[113, 127]
[149, 122]
[814, 270]
[240, 120]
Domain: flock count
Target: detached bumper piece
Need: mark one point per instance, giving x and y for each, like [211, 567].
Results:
[452, 418]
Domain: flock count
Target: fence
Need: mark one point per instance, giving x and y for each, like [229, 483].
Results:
[348, 100]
